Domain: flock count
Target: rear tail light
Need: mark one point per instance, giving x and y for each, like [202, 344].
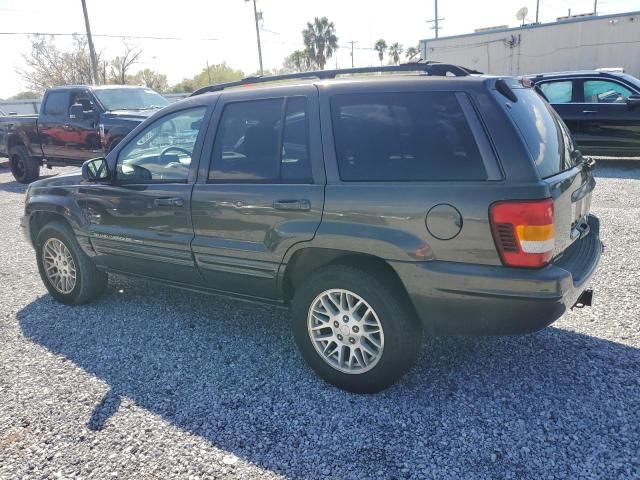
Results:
[523, 231]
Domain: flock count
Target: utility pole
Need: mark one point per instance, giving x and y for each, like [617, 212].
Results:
[352, 42]
[208, 72]
[595, 7]
[257, 19]
[537, 10]
[436, 20]
[92, 51]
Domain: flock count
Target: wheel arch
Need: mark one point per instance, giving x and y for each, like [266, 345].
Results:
[306, 260]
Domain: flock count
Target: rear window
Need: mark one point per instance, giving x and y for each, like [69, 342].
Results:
[404, 137]
[545, 134]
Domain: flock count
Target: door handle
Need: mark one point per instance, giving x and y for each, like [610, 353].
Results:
[302, 205]
[169, 202]
[589, 111]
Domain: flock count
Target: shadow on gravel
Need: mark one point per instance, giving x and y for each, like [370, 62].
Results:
[611, 168]
[12, 186]
[514, 407]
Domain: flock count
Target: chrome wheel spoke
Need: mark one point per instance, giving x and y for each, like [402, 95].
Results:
[59, 265]
[345, 331]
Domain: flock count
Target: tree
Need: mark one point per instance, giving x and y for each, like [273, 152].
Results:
[26, 95]
[122, 63]
[381, 47]
[412, 54]
[47, 66]
[151, 79]
[298, 61]
[395, 50]
[219, 73]
[320, 40]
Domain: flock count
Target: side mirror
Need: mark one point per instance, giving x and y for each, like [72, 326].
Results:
[96, 170]
[76, 112]
[633, 101]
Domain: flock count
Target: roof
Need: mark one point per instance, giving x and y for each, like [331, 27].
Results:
[425, 67]
[96, 87]
[535, 25]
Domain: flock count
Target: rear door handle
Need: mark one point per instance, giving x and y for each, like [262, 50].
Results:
[589, 111]
[169, 202]
[297, 205]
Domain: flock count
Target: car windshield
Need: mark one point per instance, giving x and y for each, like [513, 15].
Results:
[631, 79]
[130, 99]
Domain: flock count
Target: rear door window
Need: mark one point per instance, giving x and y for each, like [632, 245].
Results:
[545, 134]
[251, 145]
[413, 136]
[57, 103]
[558, 92]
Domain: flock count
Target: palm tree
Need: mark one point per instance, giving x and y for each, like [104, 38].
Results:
[395, 50]
[412, 53]
[320, 40]
[380, 46]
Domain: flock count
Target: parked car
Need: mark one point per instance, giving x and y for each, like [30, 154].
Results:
[378, 208]
[75, 123]
[602, 109]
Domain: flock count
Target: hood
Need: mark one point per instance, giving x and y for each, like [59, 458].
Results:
[69, 178]
[131, 115]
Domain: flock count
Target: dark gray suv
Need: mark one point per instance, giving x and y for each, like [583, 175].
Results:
[380, 208]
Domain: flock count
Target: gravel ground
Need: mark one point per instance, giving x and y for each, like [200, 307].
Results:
[151, 382]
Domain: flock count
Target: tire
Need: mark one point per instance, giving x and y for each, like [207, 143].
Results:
[400, 337]
[89, 282]
[24, 167]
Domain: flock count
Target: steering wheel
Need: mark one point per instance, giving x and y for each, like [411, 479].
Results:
[169, 149]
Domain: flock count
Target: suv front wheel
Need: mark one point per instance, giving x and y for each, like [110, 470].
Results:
[67, 272]
[356, 331]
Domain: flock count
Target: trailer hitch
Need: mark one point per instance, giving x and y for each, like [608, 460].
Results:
[584, 300]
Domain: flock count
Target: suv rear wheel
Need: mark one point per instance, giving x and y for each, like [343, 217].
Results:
[67, 272]
[356, 331]
[24, 168]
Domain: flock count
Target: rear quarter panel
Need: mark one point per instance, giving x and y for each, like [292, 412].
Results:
[387, 219]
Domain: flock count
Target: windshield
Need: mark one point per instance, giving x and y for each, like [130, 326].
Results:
[631, 79]
[130, 99]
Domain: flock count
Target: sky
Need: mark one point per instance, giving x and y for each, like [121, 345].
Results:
[224, 31]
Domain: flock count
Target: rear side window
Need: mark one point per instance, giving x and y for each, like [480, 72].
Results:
[57, 103]
[418, 136]
[545, 134]
[253, 146]
[558, 92]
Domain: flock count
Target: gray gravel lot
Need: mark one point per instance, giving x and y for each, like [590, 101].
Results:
[151, 382]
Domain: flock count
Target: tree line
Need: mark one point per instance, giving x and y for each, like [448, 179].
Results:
[46, 65]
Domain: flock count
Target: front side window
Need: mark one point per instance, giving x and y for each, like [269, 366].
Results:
[251, 144]
[603, 91]
[558, 92]
[418, 136]
[163, 150]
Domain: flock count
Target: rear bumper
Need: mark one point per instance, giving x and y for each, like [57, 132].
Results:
[466, 299]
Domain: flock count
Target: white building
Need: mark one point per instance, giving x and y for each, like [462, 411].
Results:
[574, 43]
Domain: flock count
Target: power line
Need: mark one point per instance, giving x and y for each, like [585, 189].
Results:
[104, 35]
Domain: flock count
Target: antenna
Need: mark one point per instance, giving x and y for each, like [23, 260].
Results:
[522, 14]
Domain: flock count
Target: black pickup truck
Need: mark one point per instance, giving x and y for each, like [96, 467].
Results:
[75, 123]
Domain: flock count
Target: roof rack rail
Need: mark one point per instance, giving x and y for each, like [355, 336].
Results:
[430, 68]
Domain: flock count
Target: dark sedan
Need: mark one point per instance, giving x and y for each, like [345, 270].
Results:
[602, 109]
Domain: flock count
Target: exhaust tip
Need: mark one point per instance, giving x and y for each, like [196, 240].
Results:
[584, 300]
